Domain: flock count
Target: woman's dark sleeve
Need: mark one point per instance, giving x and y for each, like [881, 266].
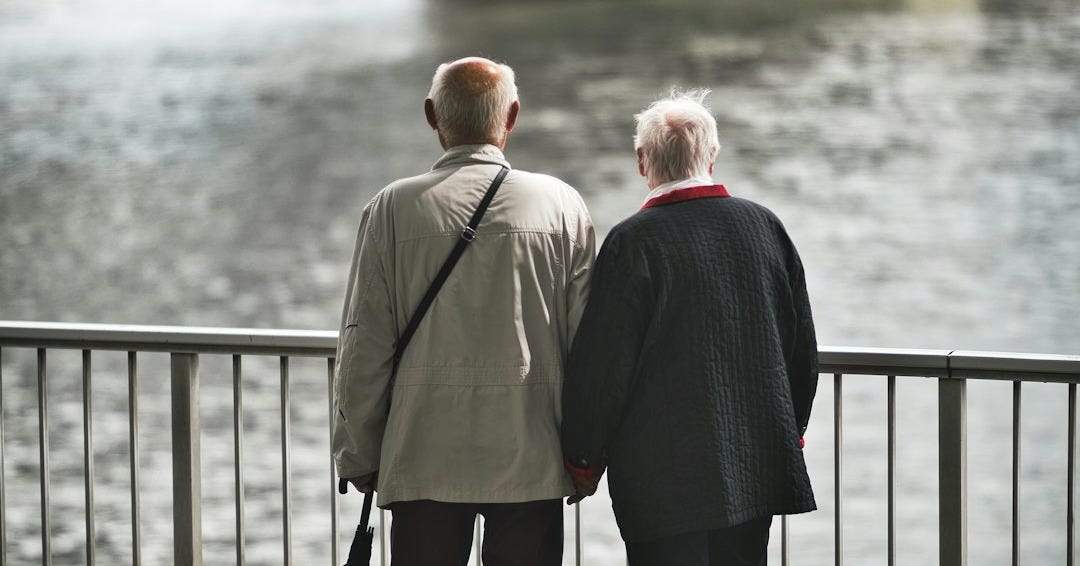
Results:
[803, 365]
[602, 362]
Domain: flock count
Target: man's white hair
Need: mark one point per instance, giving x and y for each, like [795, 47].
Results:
[678, 136]
[467, 112]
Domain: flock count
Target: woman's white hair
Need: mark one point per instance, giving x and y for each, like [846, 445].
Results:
[677, 136]
[469, 111]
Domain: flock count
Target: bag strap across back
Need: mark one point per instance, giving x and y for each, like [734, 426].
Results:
[467, 236]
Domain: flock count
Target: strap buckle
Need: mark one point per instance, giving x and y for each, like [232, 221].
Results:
[468, 234]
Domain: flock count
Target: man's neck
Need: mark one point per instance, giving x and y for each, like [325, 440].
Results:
[447, 144]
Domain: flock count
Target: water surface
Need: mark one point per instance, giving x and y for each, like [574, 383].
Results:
[205, 163]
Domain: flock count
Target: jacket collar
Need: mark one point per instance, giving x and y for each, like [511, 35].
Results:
[687, 182]
[688, 193]
[471, 153]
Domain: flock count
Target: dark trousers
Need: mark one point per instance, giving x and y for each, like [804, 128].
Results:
[431, 533]
[745, 544]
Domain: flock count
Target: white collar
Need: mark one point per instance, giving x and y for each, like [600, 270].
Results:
[669, 186]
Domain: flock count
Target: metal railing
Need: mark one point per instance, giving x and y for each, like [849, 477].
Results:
[952, 369]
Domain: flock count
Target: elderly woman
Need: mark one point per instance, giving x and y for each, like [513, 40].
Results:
[694, 368]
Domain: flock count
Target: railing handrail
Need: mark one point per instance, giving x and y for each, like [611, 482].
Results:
[176, 339]
[959, 364]
[322, 343]
[952, 368]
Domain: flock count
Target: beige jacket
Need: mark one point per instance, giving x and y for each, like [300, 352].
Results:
[473, 414]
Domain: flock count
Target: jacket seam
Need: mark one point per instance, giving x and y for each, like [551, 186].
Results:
[481, 233]
[526, 383]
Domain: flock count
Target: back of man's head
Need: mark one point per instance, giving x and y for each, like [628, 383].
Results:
[472, 99]
[677, 137]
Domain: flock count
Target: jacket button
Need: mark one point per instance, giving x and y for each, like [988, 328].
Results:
[582, 463]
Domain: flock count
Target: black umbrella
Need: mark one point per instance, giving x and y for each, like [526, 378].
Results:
[360, 551]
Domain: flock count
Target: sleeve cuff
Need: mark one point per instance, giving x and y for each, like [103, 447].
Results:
[583, 473]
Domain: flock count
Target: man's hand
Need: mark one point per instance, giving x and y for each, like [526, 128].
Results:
[366, 483]
[585, 482]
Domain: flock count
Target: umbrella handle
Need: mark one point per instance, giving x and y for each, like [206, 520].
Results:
[365, 516]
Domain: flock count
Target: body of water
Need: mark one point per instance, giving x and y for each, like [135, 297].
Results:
[203, 162]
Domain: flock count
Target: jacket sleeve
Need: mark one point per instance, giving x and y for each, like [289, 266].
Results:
[603, 359]
[580, 272]
[802, 364]
[365, 352]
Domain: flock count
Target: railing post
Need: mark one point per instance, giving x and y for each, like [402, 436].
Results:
[952, 471]
[133, 441]
[88, 458]
[334, 515]
[838, 466]
[286, 459]
[3, 502]
[577, 535]
[43, 457]
[238, 459]
[187, 508]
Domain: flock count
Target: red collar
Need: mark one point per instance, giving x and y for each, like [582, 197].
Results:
[689, 193]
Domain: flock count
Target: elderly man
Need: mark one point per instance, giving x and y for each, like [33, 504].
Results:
[694, 368]
[469, 421]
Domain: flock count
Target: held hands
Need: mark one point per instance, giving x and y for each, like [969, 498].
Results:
[366, 483]
[582, 489]
[585, 482]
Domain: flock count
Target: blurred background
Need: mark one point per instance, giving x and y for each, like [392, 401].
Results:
[204, 162]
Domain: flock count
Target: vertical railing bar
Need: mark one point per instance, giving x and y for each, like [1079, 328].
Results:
[1016, 475]
[478, 539]
[578, 560]
[892, 469]
[286, 496]
[1070, 524]
[382, 537]
[952, 471]
[783, 541]
[333, 474]
[43, 457]
[838, 443]
[238, 455]
[133, 440]
[3, 501]
[186, 460]
[88, 456]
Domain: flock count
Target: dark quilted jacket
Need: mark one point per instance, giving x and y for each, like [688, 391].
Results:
[694, 369]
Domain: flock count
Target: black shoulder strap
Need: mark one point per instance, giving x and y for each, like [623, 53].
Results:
[467, 236]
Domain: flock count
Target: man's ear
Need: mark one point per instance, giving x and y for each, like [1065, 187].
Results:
[641, 162]
[511, 117]
[429, 112]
